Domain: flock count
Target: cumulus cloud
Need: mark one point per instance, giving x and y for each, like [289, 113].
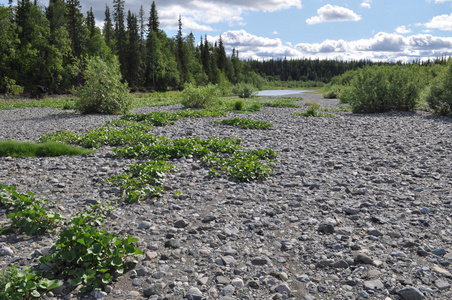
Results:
[196, 14]
[442, 1]
[381, 47]
[254, 47]
[333, 13]
[402, 30]
[443, 22]
[366, 3]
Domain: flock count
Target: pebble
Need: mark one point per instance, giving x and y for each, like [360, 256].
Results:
[358, 207]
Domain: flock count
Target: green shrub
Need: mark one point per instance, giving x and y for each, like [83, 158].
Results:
[239, 105]
[333, 92]
[103, 91]
[380, 89]
[439, 94]
[200, 97]
[29, 149]
[244, 90]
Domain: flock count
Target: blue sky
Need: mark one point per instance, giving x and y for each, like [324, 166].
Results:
[380, 30]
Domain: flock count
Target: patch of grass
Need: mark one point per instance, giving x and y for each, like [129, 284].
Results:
[29, 149]
[311, 112]
[245, 123]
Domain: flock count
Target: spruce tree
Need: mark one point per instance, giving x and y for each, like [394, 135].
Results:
[108, 30]
[75, 27]
[133, 51]
[120, 34]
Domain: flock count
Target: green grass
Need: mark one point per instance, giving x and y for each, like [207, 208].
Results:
[29, 149]
[245, 123]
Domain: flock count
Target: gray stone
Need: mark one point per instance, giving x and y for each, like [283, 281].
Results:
[260, 261]
[363, 258]
[194, 294]
[237, 282]
[181, 223]
[442, 284]
[145, 225]
[439, 252]
[411, 293]
[341, 264]
[373, 285]
[6, 251]
[326, 229]
[172, 243]
[228, 291]
[283, 288]
[222, 280]
[155, 289]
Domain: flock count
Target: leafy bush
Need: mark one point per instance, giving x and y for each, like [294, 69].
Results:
[24, 284]
[200, 97]
[333, 92]
[439, 94]
[239, 105]
[244, 90]
[380, 89]
[103, 91]
[29, 149]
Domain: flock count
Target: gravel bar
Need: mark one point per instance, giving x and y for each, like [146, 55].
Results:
[358, 207]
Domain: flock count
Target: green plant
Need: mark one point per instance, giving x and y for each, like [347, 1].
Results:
[239, 105]
[103, 92]
[313, 105]
[143, 180]
[245, 123]
[12, 89]
[200, 97]
[24, 284]
[244, 90]
[312, 112]
[28, 213]
[439, 93]
[22, 149]
[380, 89]
[282, 102]
[89, 256]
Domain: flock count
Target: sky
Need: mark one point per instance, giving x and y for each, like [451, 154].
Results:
[377, 30]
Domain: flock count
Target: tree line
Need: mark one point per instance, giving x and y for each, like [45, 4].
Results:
[48, 47]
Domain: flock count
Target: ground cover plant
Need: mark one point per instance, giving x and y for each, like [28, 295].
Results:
[89, 256]
[47, 149]
[24, 284]
[245, 123]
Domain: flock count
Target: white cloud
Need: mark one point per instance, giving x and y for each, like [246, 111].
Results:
[196, 14]
[443, 22]
[402, 30]
[333, 13]
[382, 47]
[366, 3]
[442, 1]
[254, 47]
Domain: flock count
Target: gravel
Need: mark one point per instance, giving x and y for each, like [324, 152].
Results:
[359, 206]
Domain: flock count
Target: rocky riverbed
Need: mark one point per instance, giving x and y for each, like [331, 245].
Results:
[358, 206]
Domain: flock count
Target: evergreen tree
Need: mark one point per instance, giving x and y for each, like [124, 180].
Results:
[90, 22]
[133, 51]
[153, 19]
[120, 34]
[108, 30]
[181, 57]
[75, 27]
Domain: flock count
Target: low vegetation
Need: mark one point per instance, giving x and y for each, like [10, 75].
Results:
[86, 255]
[245, 123]
[29, 149]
